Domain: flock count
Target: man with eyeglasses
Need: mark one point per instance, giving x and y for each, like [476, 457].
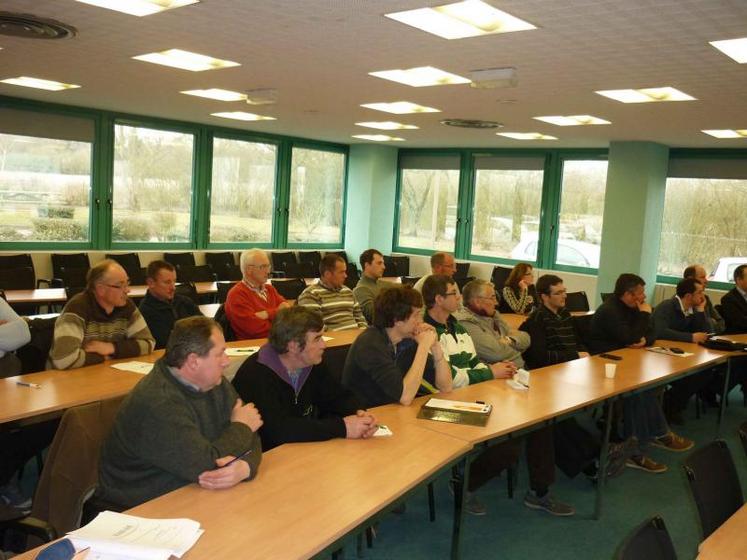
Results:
[100, 323]
[251, 305]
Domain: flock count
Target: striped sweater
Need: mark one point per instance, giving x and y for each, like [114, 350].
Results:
[459, 350]
[338, 306]
[83, 320]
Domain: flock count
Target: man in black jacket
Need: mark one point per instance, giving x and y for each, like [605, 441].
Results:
[624, 320]
[298, 398]
[162, 306]
[734, 302]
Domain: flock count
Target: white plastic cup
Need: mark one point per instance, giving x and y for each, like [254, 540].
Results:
[609, 370]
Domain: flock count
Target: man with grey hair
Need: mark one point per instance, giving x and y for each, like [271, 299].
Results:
[182, 423]
[251, 305]
[100, 323]
[495, 340]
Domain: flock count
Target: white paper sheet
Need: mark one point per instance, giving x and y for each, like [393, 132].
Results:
[137, 367]
[243, 351]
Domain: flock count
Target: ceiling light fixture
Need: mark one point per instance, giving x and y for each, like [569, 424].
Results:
[572, 120]
[400, 108]
[387, 125]
[470, 18]
[378, 137]
[733, 48]
[217, 94]
[38, 83]
[421, 76]
[646, 95]
[139, 7]
[492, 78]
[526, 135]
[727, 133]
[185, 60]
[242, 116]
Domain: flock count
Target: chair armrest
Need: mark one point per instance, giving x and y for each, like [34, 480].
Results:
[32, 526]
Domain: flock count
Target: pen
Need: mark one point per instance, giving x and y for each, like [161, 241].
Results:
[244, 454]
[26, 384]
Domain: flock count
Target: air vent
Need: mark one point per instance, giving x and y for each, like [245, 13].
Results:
[471, 123]
[32, 27]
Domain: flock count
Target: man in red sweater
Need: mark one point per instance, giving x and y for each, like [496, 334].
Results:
[251, 304]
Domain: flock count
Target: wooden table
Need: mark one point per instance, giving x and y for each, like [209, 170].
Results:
[728, 542]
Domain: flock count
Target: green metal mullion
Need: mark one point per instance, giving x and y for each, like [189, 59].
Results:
[201, 188]
[281, 209]
[463, 236]
[102, 193]
[550, 209]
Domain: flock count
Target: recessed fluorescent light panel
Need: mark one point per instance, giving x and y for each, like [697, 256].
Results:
[378, 137]
[185, 60]
[726, 133]
[526, 135]
[471, 18]
[242, 116]
[572, 120]
[387, 125]
[217, 94]
[646, 95]
[733, 48]
[421, 76]
[400, 108]
[139, 7]
[38, 83]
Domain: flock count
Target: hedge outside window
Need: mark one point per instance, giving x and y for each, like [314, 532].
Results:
[316, 196]
[45, 177]
[152, 185]
[243, 191]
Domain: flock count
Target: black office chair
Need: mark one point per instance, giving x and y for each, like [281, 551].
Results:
[313, 258]
[714, 484]
[577, 301]
[402, 263]
[462, 270]
[582, 324]
[606, 295]
[73, 279]
[21, 278]
[68, 261]
[301, 270]
[743, 435]
[179, 259]
[223, 289]
[649, 541]
[223, 265]
[10, 262]
[33, 354]
[131, 263]
[188, 289]
[289, 288]
[353, 276]
[410, 280]
[280, 260]
[462, 281]
[191, 273]
[222, 320]
[499, 276]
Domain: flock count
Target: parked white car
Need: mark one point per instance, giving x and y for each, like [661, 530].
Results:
[724, 269]
[570, 252]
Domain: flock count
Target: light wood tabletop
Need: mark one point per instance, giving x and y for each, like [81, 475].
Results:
[728, 542]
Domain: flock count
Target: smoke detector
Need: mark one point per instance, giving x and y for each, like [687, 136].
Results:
[32, 27]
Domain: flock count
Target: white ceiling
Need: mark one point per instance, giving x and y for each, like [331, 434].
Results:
[318, 53]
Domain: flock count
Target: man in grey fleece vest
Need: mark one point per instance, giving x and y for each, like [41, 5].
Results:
[182, 423]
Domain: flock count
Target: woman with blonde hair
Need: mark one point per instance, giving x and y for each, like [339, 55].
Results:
[519, 292]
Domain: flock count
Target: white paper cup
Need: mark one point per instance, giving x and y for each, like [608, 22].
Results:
[609, 370]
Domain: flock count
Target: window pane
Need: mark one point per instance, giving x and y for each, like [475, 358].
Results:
[428, 209]
[507, 210]
[152, 185]
[581, 211]
[705, 221]
[243, 191]
[317, 179]
[45, 177]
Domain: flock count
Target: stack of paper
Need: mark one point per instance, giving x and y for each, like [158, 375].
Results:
[137, 367]
[117, 536]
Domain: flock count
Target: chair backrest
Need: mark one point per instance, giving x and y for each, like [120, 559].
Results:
[178, 259]
[33, 355]
[21, 278]
[606, 295]
[499, 276]
[401, 264]
[219, 260]
[131, 263]
[289, 288]
[72, 277]
[192, 273]
[301, 270]
[223, 289]
[311, 257]
[462, 270]
[222, 319]
[16, 261]
[189, 290]
[743, 435]
[714, 484]
[73, 291]
[649, 541]
[353, 276]
[75, 260]
[70, 471]
[279, 260]
[577, 301]
[410, 280]
[583, 327]
[462, 281]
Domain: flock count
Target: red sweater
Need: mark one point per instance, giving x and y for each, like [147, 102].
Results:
[241, 305]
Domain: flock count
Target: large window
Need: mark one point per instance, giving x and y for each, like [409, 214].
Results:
[316, 197]
[45, 177]
[243, 191]
[581, 211]
[506, 210]
[152, 185]
[429, 189]
[705, 217]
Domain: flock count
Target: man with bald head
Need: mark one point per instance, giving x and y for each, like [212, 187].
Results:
[100, 323]
[442, 264]
[252, 304]
[698, 273]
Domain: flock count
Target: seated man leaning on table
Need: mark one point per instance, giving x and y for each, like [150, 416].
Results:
[100, 322]
[332, 298]
[297, 396]
[182, 423]
[251, 304]
[441, 300]
[162, 306]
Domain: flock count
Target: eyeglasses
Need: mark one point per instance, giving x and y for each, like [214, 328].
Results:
[261, 266]
[124, 286]
[492, 298]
